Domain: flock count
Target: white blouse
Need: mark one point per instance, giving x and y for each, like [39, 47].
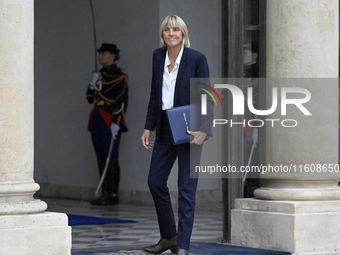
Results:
[169, 81]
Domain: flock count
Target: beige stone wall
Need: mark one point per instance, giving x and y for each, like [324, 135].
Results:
[302, 51]
[302, 39]
[24, 224]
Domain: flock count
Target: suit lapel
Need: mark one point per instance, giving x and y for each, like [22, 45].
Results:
[182, 66]
[160, 73]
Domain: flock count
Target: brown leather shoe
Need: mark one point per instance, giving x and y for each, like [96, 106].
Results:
[162, 246]
[182, 252]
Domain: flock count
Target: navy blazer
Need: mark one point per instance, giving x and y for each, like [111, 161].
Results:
[193, 65]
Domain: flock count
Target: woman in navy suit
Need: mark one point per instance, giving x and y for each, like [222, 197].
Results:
[173, 66]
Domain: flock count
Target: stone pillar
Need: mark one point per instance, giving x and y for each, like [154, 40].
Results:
[25, 228]
[299, 211]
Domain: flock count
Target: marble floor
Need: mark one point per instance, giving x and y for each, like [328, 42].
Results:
[208, 225]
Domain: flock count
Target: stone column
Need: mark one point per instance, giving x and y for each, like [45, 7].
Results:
[299, 211]
[25, 228]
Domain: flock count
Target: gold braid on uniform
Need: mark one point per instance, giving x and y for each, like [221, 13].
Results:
[120, 110]
[253, 83]
[116, 81]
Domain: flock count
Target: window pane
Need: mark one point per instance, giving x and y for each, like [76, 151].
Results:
[251, 12]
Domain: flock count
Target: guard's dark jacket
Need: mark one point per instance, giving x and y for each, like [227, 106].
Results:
[251, 73]
[112, 100]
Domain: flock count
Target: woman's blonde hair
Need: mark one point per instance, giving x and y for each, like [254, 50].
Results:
[175, 21]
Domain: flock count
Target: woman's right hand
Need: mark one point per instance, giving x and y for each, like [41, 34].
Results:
[145, 139]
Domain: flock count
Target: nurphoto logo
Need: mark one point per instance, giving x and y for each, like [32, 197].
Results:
[239, 105]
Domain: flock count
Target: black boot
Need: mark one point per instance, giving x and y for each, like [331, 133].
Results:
[110, 187]
[115, 170]
[113, 182]
[105, 197]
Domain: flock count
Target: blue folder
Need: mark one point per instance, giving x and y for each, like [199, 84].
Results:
[181, 119]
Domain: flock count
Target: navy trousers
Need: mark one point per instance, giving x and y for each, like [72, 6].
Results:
[101, 139]
[163, 157]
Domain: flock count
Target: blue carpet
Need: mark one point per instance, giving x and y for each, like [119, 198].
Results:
[74, 220]
[198, 249]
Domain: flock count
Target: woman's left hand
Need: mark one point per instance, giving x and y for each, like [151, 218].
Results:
[199, 137]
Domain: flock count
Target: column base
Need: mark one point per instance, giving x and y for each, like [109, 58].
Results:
[303, 190]
[17, 198]
[35, 234]
[299, 227]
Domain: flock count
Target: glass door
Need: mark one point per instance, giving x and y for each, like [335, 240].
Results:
[244, 27]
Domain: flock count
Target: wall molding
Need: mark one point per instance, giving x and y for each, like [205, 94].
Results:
[135, 197]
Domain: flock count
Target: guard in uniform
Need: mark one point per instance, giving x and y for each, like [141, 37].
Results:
[251, 74]
[108, 92]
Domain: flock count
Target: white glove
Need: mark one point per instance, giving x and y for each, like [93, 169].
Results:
[94, 79]
[255, 136]
[114, 130]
